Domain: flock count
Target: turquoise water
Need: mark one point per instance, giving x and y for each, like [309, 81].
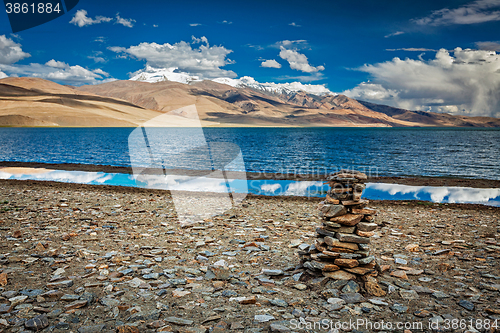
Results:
[455, 152]
[376, 191]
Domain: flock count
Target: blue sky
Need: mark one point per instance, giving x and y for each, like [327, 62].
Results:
[348, 46]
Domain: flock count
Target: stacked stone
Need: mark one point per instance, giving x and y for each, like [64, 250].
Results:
[342, 250]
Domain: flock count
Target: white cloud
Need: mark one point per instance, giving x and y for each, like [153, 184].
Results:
[292, 44]
[479, 11]
[3, 75]
[412, 49]
[298, 61]
[257, 47]
[10, 51]
[205, 61]
[97, 59]
[56, 64]
[101, 39]
[57, 71]
[397, 33]
[293, 24]
[194, 24]
[467, 82]
[271, 63]
[81, 19]
[125, 22]
[302, 78]
[489, 46]
[155, 25]
[226, 22]
[202, 39]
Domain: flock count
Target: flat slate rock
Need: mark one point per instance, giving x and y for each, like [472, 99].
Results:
[178, 321]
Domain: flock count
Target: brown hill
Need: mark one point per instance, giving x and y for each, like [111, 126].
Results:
[38, 102]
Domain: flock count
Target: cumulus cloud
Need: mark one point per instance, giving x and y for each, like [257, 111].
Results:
[194, 24]
[293, 24]
[205, 61]
[467, 82]
[271, 63]
[58, 71]
[298, 61]
[397, 33]
[10, 51]
[81, 19]
[490, 46]
[125, 22]
[479, 11]
[3, 75]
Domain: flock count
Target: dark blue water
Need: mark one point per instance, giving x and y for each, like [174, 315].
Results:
[470, 153]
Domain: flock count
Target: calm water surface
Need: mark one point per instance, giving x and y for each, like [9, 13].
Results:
[456, 152]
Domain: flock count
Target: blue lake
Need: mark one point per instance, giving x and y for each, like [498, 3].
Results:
[441, 152]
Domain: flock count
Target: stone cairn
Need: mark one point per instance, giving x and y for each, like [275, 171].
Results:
[341, 250]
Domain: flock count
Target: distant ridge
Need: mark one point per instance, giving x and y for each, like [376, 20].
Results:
[38, 102]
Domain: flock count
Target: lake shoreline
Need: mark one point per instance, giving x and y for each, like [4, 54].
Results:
[412, 181]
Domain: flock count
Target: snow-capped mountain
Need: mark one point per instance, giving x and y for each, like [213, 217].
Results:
[152, 75]
[277, 88]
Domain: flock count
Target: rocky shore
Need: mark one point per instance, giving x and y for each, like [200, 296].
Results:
[81, 258]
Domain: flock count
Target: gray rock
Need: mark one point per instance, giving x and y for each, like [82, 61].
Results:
[408, 294]
[350, 287]
[349, 238]
[177, 282]
[31, 292]
[439, 295]
[332, 210]
[178, 321]
[352, 298]
[272, 272]
[70, 297]
[38, 323]
[400, 261]
[278, 302]
[366, 261]
[263, 318]
[109, 302]
[229, 293]
[60, 284]
[335, 303]
[377, 301]
[152, 276]
[399, 308]
[466, 304]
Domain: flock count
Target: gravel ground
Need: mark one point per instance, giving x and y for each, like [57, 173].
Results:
[81, 258]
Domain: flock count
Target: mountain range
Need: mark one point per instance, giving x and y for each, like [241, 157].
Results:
[38, 102]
